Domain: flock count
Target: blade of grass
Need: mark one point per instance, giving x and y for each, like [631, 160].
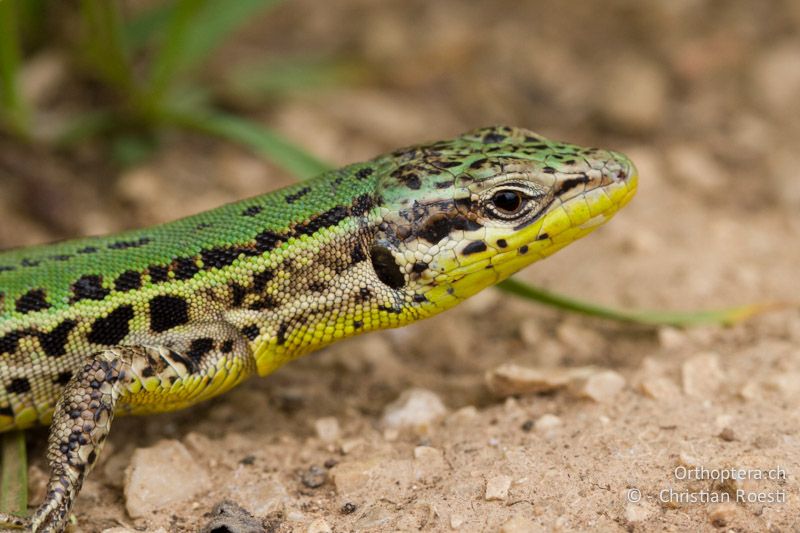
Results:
[275, 78]
[653, 318]
[196, 28]
[14, 474]
[106, 45]
[258, 138]
[168, 61]
[13, 108]
[146, 24]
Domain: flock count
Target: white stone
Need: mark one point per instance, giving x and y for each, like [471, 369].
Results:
[327, 429]
[702, 375]
[510, 379]
[602, 386]
[319, 526]
[547, 423]
[497, 487]
[415, 409]
[162, 476]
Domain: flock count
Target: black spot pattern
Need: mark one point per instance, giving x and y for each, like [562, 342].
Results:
[124, 245]
[130, 280]
[19, 386]
[474, 247]
[292, 198]
[33, 300]
[199, 348]
[89, 287]
[251, 332]
[112, 328]
[54, 343]
[167, 312]
[63, 378]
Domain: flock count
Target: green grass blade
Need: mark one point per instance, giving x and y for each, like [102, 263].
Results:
[14, 474]
[105, 44]
[13, 111]
[168, 63]
[653, 318]
[260, 139]
[138, 31]
[196, 28]
[290, 76]
[216, 22]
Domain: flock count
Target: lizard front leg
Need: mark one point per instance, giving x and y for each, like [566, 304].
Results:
[129, 379]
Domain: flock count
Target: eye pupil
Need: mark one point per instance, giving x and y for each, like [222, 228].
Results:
[507, 201]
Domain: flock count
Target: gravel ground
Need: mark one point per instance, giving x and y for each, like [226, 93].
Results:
[598, 425]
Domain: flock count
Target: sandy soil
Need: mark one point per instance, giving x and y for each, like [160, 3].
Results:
[702, 95]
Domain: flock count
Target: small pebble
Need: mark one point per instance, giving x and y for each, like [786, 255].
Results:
[545, 424]
[497, 487]
[327, 429]
[702, 375]
[510, 379]
[456, 521]
[415, 409]
[659, 388]
[601, 387]
[319, 526]
[637, 512]
[162, 476]
[727, 434]
[348, 508]
[232, 518]
[314, 477]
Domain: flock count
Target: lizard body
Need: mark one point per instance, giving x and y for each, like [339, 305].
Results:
[161, 318]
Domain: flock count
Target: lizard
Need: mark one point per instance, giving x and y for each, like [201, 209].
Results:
[158, 319]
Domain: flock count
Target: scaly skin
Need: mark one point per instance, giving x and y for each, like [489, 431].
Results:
[161, 318]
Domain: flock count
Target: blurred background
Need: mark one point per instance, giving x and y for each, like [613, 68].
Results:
[122, 114]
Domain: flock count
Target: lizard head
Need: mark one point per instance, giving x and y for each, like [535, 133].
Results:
[458, 216]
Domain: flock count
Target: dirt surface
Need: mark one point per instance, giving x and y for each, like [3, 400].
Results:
[703, 96]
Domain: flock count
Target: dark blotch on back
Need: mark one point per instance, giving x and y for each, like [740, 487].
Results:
[19, 386]
[386, 267]
[361, 205]
[112, 328]
[158, 273]
[292, 198]
[124, 245]
[167, 312]
[63, 378]
[54, 343]
[33, 300]
[266, 241]
[328, 219]
[252, 211]
[130, 280]
[88, 287]
[185, 268]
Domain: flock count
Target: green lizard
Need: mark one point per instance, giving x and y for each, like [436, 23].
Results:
[162, 318]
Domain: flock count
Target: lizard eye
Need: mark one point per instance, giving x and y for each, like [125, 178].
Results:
[508, 202]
